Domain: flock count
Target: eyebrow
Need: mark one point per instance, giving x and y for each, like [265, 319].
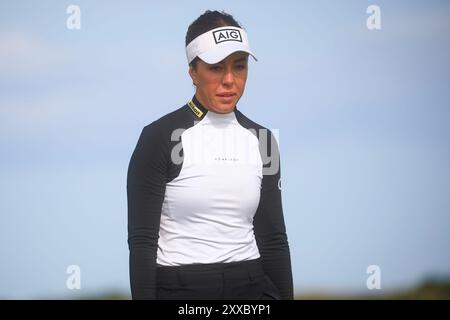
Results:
[240, 60]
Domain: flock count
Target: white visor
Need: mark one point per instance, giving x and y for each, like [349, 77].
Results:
[217, 44]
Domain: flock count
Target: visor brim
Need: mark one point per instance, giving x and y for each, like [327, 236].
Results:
[218, 54]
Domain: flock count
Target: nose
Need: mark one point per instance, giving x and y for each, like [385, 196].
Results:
[228, 78]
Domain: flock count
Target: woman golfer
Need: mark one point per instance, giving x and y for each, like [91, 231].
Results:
[205, 218]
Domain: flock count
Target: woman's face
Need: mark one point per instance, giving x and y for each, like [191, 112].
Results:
[221, 85]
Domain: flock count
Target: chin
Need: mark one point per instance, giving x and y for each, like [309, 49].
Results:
[224, 108]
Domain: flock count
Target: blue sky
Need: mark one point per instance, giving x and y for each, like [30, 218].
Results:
[362, 115]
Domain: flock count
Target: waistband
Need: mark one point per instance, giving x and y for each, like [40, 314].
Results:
[239, 269]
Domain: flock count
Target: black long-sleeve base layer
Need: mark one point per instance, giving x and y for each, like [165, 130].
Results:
[149, 171]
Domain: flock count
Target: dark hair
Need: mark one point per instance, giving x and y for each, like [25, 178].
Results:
[208, 21]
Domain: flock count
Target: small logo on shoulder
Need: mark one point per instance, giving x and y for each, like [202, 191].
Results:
[227, 35]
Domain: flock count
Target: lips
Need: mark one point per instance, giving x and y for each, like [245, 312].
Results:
[226, 94]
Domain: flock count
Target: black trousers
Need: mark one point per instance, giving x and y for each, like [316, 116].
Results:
[243, 280]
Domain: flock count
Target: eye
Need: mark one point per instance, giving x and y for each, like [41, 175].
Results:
[215, 68]
[241, 66]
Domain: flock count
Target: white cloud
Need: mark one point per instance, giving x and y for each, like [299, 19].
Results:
[26, 53]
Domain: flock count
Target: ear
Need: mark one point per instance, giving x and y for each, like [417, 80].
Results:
[193, 74]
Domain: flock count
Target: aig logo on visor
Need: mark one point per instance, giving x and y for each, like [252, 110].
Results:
[227, 35]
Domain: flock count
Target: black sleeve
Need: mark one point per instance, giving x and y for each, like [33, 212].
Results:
[269, 226]
[146, 183]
